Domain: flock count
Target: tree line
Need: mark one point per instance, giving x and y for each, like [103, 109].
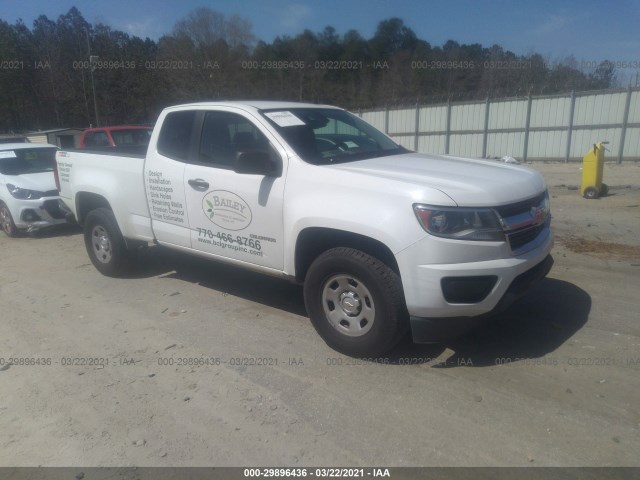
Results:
[49, 72]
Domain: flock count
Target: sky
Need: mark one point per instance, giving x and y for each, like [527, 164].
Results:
[590, 30]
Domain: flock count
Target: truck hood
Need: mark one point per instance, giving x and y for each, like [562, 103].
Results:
[468, 182]
[41, 182]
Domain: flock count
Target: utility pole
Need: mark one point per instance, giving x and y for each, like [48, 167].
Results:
[92, 60]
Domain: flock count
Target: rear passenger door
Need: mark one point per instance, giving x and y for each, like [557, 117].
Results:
[234, 215]
[164, 178]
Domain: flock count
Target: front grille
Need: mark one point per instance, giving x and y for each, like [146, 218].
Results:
[53, 209]
[520, 238]
[520, 221]
[51, 193]
[520, 207]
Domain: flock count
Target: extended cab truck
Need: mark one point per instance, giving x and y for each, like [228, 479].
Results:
[383, 239]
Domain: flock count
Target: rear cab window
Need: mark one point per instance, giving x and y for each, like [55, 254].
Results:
[131, 137]
[97, 139]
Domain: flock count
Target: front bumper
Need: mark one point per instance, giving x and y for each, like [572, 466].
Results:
[33, 215]
[427, 266]
[432, 330]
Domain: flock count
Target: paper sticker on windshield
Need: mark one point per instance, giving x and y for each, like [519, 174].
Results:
[284, 119]
[8, 154]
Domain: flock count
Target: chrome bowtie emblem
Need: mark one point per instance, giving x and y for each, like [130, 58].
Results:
[537, 214]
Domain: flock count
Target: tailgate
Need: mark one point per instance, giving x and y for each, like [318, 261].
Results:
[62, 172]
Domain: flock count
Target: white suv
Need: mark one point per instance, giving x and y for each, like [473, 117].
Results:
[28, 196]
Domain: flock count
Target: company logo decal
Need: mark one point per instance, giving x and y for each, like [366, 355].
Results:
[226, 210]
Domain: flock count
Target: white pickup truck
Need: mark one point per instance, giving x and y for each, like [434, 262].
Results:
[384, 239]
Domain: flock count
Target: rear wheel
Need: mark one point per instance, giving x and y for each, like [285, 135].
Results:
[604, 189]
[105, 243]
[355, 302]
[6, 221]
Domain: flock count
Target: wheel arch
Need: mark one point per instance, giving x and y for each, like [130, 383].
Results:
[313, 241]
[86, 202]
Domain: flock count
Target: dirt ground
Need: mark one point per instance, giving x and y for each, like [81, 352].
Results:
[189, 363]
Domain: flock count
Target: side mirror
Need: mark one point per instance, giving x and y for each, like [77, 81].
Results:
[256, 163]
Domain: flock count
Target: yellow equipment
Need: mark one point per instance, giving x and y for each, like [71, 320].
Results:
[592, 166]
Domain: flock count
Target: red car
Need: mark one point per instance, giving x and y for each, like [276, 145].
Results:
[121, 136]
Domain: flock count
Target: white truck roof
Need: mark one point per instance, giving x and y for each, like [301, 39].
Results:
[254, 104]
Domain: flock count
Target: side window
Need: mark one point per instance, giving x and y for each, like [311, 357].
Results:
[88, 140]
[122, 137]
[100, 139]
[175, 136]
[224, 135]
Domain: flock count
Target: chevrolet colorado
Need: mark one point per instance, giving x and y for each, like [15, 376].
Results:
[385, 240]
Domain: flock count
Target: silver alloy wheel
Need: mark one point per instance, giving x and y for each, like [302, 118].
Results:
[348, 305]
[101, 244]
[5, 220]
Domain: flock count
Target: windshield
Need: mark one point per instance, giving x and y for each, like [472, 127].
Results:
[135, 136]
[27, 160]
[327, 135]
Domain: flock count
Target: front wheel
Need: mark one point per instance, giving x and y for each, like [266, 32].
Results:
[105, 244]
[355, 302]
[6, 221]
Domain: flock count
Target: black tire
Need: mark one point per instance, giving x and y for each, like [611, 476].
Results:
[604, 189]
[368, 289]
[105, 244]
[6, 221]
[591, 193]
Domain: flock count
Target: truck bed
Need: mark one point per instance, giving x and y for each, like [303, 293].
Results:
[116, 170]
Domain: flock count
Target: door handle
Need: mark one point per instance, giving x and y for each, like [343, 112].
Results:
[198, 184]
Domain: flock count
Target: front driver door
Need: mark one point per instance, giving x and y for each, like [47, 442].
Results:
[234, 215]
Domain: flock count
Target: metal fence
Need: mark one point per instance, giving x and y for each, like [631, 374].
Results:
[559, 127]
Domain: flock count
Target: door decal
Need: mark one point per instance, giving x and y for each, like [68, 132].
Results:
[227, 210]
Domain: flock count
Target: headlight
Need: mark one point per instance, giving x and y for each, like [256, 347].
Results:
[23, 193]
[460, 223]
